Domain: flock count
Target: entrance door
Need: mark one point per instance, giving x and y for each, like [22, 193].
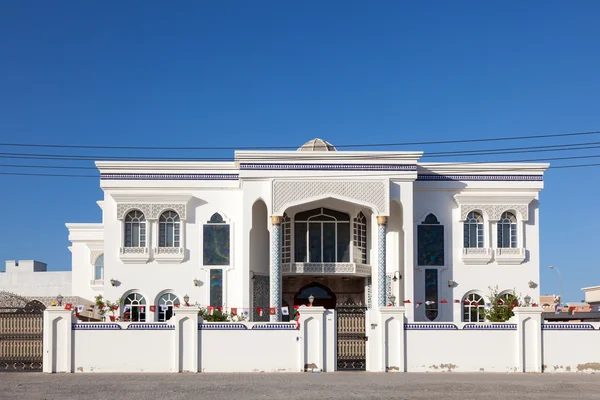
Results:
[351, 338]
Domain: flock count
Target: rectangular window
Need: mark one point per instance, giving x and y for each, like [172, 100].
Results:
[98, 273]
[431, 294]
[176, 235]
[216, 287]
[430, 245]
[343, 243]
[314, 242]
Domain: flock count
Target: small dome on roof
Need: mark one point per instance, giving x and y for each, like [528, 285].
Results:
[317, 145]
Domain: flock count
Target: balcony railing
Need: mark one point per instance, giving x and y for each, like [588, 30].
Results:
[477, 255]
[315, 268]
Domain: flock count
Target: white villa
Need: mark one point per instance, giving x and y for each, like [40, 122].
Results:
[270, 229]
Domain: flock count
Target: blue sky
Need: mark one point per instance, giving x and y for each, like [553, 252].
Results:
[280, 73]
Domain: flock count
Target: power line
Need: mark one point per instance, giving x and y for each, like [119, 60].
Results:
[460, 153]
[427, 164]
[352, 145]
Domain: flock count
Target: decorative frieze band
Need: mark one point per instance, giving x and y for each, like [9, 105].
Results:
[494, 211]
[291, 192]
[151, 210]
[94, 255]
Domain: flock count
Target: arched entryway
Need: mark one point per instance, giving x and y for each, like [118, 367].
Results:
[324, 297]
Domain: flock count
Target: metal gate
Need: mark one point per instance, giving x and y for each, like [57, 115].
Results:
[351, 338]
[21, 333]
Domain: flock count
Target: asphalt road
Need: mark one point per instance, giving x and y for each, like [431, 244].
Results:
[306, 386]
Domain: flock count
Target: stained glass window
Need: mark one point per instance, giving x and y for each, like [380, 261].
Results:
[216, 241]
[507, 231]
[99, 268]
[430, 237]
[473, 308]
[168, 229]
[216, 287]
[135, 229]
[431, 294]
[473, 230]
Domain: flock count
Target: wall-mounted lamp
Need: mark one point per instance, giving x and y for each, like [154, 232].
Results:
[252, 275]
[196, 282]
[311, 298]
[186, 299]
[59, 299]
[527, 300]
[393, 300]
[396, 276]
[113, 282]
[531, 284]
[451, 283]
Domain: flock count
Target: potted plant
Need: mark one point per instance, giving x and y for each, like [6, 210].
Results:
[107, 306]
[501, 306]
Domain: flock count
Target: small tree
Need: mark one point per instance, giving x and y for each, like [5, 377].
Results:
[105, 306]
[501, 305]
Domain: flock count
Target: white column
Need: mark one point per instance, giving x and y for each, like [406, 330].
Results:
[392, 339]
[186, 339]
[312, 349]
[330, 336]
[529, 336]
[57, 339]
[457, 311]
[275, 275]
[406, 198]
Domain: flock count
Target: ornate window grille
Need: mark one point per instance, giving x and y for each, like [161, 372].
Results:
[322, 235]
[360, 238]
[216, 241]
[286, 240]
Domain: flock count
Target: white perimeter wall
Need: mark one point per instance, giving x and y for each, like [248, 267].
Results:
[249, 350]
[123, 350]
[570, 348]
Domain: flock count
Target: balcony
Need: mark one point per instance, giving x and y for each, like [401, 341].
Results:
[316, 268]
[168, 255]
[97, 283]
[477, 255]
[510, 256]
[134, 255]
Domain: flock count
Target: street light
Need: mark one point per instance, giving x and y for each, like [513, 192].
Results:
[559, 283]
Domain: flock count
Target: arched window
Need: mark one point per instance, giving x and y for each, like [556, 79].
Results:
[430, 242]
[508, 298]
[360, 238]
[473, 230]
[216, 241]
[168, 229]
[134, 309]
[99, 268]
[135, 229]
[473, 308]
[165, 306]
[507, 231]
[286, 240]
[322, 235]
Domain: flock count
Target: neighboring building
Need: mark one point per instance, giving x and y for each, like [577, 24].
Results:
[31, 278]
[271, 228]
[592, 295]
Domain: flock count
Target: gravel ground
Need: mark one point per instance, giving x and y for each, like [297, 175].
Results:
[307, 386]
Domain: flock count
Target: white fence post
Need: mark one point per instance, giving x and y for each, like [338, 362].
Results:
[57, 343]
[529, 337]
[392, 339]
[186, 339]
[313, 333]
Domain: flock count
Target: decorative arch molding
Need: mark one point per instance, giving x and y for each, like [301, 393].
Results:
[151, 210]
[492, 206]
[94, 254]
[372, 194]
